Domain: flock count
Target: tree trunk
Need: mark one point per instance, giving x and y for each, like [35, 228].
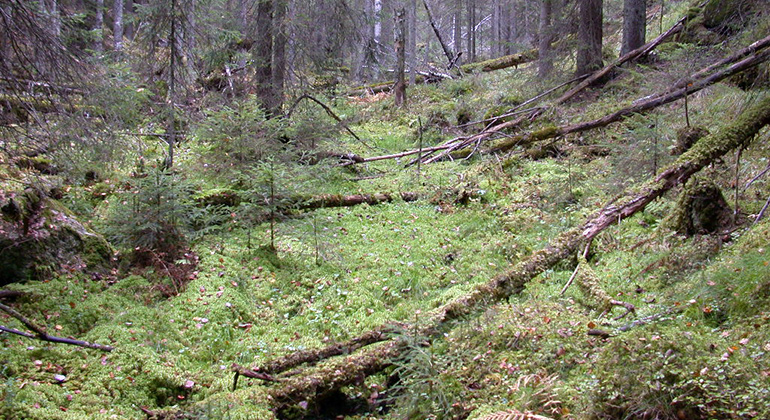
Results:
[471, 15]
[263, 54]
[411, 45]
[279, 55]
[242, 11]
[128, 19]
[457, 31]
[634, 25]
[400, 89]
[444, 46]
[54, 16]
[589, 53]
[117, 27]
[171, 122]
[99, 27]
[545, 33]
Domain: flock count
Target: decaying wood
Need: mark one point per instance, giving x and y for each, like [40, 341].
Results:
[10, 294]
[335, 200]
[354, 368]
[463, 150]
[40, 334]
[242, 371]
[314, 355]
[504, 62]
[499, 63]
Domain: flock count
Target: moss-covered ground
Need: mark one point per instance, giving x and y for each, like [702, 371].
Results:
[698, 345]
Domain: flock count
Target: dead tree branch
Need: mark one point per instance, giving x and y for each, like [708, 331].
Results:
[40, 334]
[353, 368]
[331, 114]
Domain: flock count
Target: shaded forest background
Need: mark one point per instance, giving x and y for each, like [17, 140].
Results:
[414, 209]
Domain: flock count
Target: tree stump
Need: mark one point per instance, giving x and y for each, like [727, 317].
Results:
[701, 209]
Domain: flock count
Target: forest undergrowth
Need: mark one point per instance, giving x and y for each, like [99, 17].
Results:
[222, 261]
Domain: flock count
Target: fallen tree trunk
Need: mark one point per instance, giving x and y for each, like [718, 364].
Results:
[504, 62]
[461, 150]
[308, 387]
[499, 63]
[335, 200]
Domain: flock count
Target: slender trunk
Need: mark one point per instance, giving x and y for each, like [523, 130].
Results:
[279, 54]
[444, 46]
[634, 25]
[589, 54]
[411, 44]
[457, 35]
[55, 18]
[471, 30]
[99, 27]
[241, 19]
[545, 63]
[171, 138]
[263, 55]
[128, 19]
[377, 21]
[400, 89]
[117, 28]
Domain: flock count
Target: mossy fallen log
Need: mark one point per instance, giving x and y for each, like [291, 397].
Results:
[504, 62]
[463, 150]
[309, 387]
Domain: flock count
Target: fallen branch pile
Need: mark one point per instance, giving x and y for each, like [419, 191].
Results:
[462, 147]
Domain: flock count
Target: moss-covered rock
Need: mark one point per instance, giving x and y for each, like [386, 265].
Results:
[726, 16]
[39, 236]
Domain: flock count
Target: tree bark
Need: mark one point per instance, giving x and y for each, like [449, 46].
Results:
[400, 88]
[411, 44]
[117, 27]
[279, 55]
[545, 33]
[263, 54]
[634, 25]
[471, 39]
[457, 32]
[589, 53]
[99, 27]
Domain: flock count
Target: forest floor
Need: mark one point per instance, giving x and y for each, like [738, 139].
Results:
[254, 290]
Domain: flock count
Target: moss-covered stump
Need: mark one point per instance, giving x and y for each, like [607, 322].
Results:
[701, 209]
[39, 237]
[726, 16]
[686, 137]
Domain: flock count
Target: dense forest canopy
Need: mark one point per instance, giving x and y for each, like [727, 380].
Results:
[406, 209]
